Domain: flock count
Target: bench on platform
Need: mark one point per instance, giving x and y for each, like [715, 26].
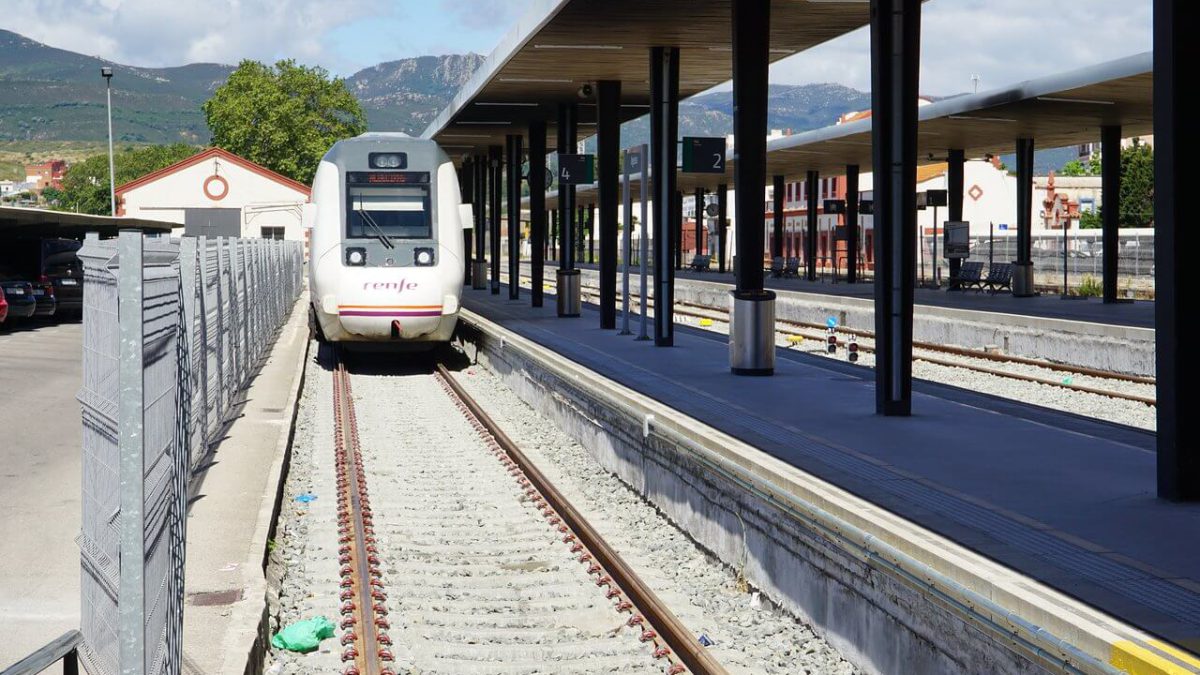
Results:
[792, 267]
[999, 277]
[970, 275]
[777, 267]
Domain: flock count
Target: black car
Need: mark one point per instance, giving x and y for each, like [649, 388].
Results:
[64, 271]
[21, 301]
[43, 293]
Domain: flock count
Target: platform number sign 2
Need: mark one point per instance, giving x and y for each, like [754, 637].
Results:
[703, 155]
[576, 169]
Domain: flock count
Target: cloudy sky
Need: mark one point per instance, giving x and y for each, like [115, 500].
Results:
[1001, 41]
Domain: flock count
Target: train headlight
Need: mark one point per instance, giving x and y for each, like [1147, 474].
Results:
[388, 160]
[423, 257]
[356, 256]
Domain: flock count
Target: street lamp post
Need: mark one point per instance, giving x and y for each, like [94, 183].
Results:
[106, 72]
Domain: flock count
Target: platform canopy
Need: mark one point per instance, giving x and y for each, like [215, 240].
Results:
[560, 45]
[20, 222]
[1056, 111]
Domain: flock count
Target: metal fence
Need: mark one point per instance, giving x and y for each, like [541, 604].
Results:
[173, 329]
[1084, 256]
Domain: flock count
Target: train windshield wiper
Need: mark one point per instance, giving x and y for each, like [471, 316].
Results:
[380, 234]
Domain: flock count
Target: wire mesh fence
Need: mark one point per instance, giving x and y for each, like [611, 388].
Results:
[173, 331]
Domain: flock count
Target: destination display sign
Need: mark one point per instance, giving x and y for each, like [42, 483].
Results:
[387, 177]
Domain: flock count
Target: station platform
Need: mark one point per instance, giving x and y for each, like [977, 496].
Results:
[1063, 499]
[1136, 314]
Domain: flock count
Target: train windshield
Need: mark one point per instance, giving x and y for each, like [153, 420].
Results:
[393, 212]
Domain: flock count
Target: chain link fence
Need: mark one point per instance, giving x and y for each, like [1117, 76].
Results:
[173, 329]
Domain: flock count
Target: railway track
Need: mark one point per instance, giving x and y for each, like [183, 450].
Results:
[1055, 375]
[488, 567]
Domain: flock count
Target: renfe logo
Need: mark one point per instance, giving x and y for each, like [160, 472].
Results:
[398, 286]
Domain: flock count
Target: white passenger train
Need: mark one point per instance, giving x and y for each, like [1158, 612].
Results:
[386, 247]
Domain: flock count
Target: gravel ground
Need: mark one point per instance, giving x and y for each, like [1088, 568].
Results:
[750, 635]
[477, 580]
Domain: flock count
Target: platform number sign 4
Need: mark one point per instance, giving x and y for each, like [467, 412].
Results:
[576, 169]
[703, 155]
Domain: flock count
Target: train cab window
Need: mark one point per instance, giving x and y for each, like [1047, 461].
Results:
[399, 212]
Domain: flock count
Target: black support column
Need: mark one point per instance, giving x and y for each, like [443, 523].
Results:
[954, 196]
[466, 177]
[1110, 187]
[537, 209]
[722, 224]
[567, 277]
[1176, 145]
[699, 197]
[677, 230]
[495, 164]
[1022, 284]
[777, 231]
[608, 137]
[852, 242]
[514, 216]
[752, 326]
[895, 60]
[479, 264]
[812, 188]
[664, 122]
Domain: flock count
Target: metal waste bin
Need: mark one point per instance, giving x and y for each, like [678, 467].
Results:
[568, 292]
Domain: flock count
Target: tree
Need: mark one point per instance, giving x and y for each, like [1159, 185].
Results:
[1137, 186]
[1078, 168]
[283, 117]
[52, 195]
[1091, 220]
[85, 187]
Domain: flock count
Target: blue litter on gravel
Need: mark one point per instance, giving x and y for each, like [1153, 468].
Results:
[305, 498]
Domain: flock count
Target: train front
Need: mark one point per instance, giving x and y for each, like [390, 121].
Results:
[386, 242]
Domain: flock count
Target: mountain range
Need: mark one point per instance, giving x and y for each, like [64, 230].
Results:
[51, 94]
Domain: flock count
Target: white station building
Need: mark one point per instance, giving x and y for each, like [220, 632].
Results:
[217, 193]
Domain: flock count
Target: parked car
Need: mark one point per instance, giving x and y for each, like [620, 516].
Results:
[64, 271]
[19, 295]
[3, 306]
[43, 293]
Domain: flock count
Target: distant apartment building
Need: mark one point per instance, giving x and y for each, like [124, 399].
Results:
[46, 174]
[1089, 150]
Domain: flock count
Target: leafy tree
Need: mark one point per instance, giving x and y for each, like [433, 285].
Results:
[85, 187]
[1078, 168]
[52, 195]
[283, 117]
[1137, 186]
[1091, 220]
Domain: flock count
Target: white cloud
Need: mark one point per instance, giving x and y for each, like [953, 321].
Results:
[1002, 41]
[159, 33]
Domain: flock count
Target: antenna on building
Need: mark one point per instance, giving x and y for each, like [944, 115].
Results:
[975, 81]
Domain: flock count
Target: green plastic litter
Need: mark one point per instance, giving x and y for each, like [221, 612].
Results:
[303, 636]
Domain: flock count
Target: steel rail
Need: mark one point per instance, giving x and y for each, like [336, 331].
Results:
[688, 649]
[364, 614]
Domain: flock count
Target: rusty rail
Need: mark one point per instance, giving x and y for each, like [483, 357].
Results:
[364, 614]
